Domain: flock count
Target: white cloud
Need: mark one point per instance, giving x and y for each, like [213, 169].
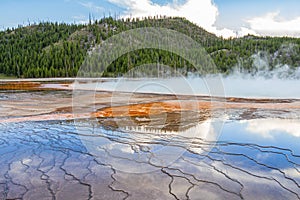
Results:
[245, 31]
[271, 24]
[81, 19]
[203, 13]
[91, 6]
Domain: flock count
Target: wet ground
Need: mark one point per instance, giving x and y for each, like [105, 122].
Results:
[151, 147]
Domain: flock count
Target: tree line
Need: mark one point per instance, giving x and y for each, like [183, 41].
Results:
[52, 49]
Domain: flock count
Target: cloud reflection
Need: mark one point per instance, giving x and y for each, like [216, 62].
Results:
[267, 127]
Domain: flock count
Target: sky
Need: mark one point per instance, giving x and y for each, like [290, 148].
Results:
[226, 18]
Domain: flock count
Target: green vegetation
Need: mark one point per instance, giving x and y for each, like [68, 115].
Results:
[3, 76]
[58, 50]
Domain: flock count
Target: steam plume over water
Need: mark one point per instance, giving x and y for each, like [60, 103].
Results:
[234, 86]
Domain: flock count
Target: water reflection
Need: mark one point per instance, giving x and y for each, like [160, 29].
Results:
[269, 127]
[282, 133]
[148, 141]
[50, 159]
[162, 154]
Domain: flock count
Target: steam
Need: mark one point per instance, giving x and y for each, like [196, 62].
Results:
[234, 86]
[268, 78]
[259, 87]
[270, 66]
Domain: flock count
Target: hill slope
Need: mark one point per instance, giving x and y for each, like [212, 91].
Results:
[58, 50]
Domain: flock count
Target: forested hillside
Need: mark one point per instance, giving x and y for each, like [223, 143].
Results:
[58, 50]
